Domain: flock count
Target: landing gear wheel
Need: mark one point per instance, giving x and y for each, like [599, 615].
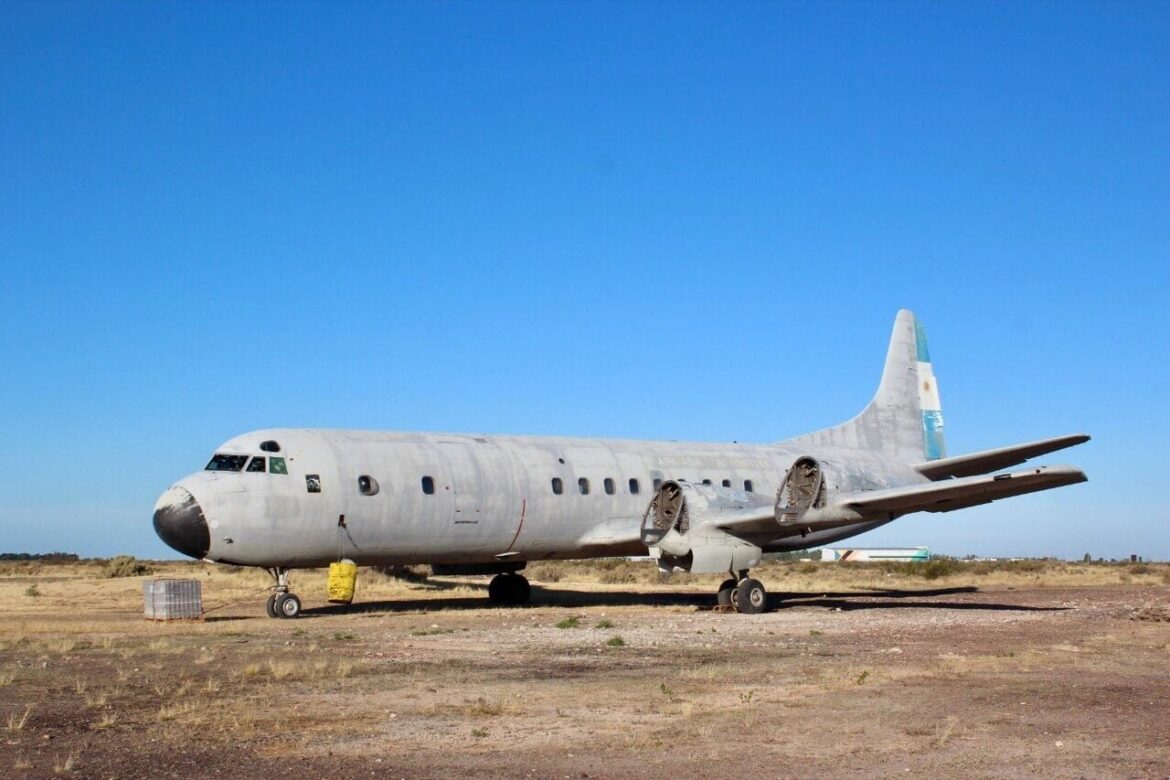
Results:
[270, 606]
[287, 605]
[509, 589]
[723, 597]
[751, 598]
[521, 590]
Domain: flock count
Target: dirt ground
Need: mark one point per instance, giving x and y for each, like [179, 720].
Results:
[874, 675]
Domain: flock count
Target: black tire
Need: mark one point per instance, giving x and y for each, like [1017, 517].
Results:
[509, 589]
[521, 590]
[723, 597]
[288, 605]
[498, 589]
[270, 606]
[752, 598]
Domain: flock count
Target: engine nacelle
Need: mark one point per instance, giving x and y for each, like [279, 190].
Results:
[681, 528]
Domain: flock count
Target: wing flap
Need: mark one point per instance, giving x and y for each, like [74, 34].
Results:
[962, 492]
[994, 460]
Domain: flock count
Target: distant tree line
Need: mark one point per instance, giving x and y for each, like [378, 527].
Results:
[53, 557]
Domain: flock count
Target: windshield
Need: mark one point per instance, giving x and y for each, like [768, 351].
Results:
[222, 462]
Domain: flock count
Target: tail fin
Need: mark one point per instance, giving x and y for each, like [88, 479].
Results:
[905, 417]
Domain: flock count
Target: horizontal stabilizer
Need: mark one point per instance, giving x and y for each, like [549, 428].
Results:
[994, 460]
[961, 492]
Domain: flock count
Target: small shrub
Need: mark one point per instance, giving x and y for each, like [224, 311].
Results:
[612, 576]
[126, 566]
[939, 567]
[569, 622]
[483, 708]
[616, 641]
[17, 722]
[32, 591]
[604, 623]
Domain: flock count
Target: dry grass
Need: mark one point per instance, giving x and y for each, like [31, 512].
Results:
[437, 681]
[63, 766]
[17, 722]
[106, 721]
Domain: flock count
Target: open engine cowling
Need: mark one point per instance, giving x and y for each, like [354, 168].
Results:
[681, 527]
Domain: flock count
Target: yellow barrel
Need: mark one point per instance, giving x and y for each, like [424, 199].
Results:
[342, 579]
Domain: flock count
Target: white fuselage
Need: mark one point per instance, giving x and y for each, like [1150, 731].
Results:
[490, 499]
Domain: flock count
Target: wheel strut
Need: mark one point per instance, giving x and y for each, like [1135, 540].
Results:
[283, 603]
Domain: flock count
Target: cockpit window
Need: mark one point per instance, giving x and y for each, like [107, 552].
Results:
[221, 462]
[256, 464]
[276, 466]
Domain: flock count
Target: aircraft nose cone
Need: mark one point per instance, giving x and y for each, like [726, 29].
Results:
[179, 521]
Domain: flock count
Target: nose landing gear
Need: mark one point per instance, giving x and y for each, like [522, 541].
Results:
[283, 603]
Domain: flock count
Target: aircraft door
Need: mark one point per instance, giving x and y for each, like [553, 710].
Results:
[486, 507]
[465, 481]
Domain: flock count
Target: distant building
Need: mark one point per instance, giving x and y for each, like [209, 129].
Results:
[875, 554]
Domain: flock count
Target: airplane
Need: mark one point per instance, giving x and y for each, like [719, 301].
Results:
[284, 499]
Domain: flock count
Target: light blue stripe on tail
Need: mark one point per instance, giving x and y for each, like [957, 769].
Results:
[934, 445]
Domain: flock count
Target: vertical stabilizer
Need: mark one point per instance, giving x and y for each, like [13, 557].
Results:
[905, 416]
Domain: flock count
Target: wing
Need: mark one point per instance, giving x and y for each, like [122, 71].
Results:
[618, 535]
[993, 460]
[962, 492]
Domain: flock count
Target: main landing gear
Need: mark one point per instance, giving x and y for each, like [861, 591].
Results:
[283, 603]
[745, 595]
[509, 588]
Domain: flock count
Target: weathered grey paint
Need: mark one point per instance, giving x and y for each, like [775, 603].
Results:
[493, 498]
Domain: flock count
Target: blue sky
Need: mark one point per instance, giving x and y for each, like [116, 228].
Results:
[681, 221]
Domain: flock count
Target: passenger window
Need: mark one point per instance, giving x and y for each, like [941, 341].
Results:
[256, 464]
[276, 466]
[313, 483]
[706, 482]
[428, 485]
[367, 485]
[727, 483]
[583, 486]
[558, 486]
[633, 487]
[269, 446]
[747, 485]
[657, 483]
[610, 489]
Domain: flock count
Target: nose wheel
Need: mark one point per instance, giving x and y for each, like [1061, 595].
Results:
[283, 603]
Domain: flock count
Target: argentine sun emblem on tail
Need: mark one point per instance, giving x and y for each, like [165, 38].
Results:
[934, 444]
